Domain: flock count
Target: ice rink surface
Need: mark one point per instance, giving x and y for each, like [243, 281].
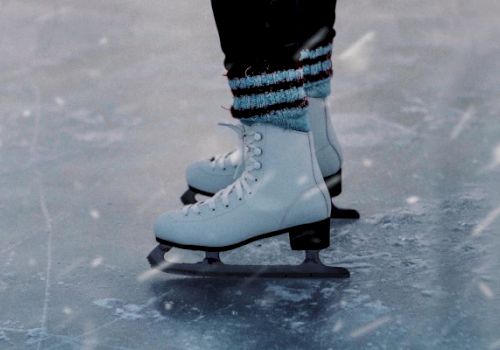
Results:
[104, 103]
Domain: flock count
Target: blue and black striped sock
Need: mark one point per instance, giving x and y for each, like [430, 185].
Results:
[318, 71]
[273, 95]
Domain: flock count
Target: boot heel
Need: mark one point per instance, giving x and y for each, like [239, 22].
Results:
[334, 183]
[314, 236]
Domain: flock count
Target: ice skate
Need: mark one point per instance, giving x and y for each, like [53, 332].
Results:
[207, 177]
[280, 190]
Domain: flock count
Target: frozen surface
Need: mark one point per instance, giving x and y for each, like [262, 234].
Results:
[104, 103]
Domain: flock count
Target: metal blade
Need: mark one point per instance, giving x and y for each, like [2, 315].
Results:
[211, 266]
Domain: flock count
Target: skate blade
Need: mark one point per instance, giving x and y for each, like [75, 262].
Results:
[213, 267]
[341, 213]
[157, 256]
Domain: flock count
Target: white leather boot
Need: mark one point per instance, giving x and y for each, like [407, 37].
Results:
[209, 176]
[280, 190]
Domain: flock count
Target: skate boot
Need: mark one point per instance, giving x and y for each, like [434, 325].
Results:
[280, 190]
[209, 176]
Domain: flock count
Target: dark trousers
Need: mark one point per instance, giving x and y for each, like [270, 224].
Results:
[272, 32]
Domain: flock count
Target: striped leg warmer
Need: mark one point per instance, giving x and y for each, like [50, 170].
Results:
[273, 95]
[318, 70]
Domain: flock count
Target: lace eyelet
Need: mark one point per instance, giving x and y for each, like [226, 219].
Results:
[227, 206]
[213, 209]
[240, 199]
[256, 180]
[224, 169]
[257, 137]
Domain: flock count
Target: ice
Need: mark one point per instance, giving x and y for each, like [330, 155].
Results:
[103, 104]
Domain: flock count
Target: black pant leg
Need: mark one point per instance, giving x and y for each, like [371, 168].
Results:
[259, 31]
[318, 19]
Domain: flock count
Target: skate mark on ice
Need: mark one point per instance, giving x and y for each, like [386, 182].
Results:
[49, 231]
[34, 333]
[45, 213]
[12, 246]
[75, 340]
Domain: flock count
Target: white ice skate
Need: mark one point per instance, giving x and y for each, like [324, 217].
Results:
[207, 177]
[280, 190]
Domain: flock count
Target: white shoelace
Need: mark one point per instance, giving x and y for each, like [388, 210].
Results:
[221, 160]
[242, 184]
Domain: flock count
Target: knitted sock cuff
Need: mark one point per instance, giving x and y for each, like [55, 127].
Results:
[318, 70]
[271, 94]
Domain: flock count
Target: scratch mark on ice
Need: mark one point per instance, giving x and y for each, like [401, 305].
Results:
[45, 213]
[48, 229]
[87, 333]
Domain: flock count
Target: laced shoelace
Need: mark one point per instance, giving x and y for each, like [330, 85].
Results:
[242, 185]
[221, 160]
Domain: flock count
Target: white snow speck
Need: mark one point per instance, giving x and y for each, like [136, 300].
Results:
[486, 290]
[59, 101]
[495, 158]
[487, 221]
[357, 56]
[412, 200]
[368, 163]
[168, 305]
[337, 327]
[96, 262]
[94, 213]
[26, 113]
[67, 310]
[457, 130]
[370, 327]
[103, 41]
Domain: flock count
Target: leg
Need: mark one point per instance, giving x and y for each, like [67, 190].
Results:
[261, 40]
[318, 18]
